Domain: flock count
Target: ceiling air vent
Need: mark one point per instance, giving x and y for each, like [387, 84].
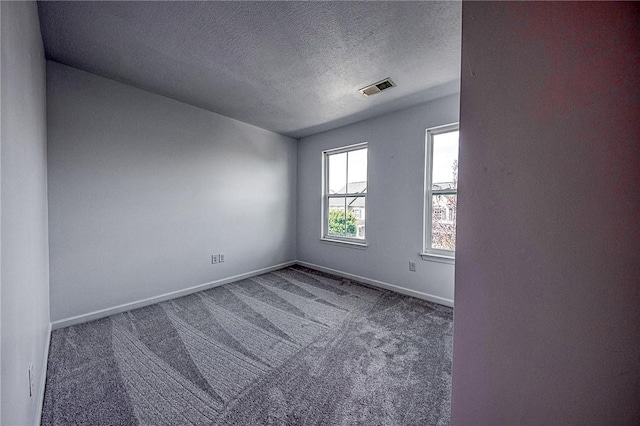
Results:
[377, 87]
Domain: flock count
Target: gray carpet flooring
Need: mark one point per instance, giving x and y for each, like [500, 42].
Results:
[290, 347]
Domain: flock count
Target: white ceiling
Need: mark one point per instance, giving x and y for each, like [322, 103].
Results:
[291, 67]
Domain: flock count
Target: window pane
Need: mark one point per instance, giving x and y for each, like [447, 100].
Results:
[346, 173]
[357, 179]
[356, 207]
[443, 221]
[337, 217]
[445, 160]
[337, 173]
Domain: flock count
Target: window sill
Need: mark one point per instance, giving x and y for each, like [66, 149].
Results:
[441, 258]
[346, 243]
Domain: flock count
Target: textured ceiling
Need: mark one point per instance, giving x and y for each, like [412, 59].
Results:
[291, 67]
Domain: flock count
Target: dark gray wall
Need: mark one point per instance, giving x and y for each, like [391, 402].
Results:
[23, 197]
[143, 189]
[547, 318]
[394, 201]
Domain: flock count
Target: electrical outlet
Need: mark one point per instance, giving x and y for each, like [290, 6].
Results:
[215, 258]
[30, 379]
[221, 257]
[412, 266]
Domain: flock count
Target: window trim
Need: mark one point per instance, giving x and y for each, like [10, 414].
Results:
[324, 235]
[429, 253]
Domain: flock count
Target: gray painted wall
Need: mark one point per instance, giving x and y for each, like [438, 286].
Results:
[23, 194]
[143, 189]
[547, 318]
[394, 201]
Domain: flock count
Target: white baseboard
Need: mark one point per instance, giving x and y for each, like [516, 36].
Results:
[418, 294]
[91, 316]
[43, 377]
[102, 313]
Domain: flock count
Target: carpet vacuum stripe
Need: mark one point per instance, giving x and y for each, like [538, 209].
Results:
[247, 330]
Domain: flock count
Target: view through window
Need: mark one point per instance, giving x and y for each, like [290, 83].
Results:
[345, 193]
[441, 190]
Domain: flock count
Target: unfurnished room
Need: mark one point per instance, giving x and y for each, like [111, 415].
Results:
[319, 213]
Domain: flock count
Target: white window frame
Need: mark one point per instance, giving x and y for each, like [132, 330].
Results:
[429, 253]
[358, 242]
